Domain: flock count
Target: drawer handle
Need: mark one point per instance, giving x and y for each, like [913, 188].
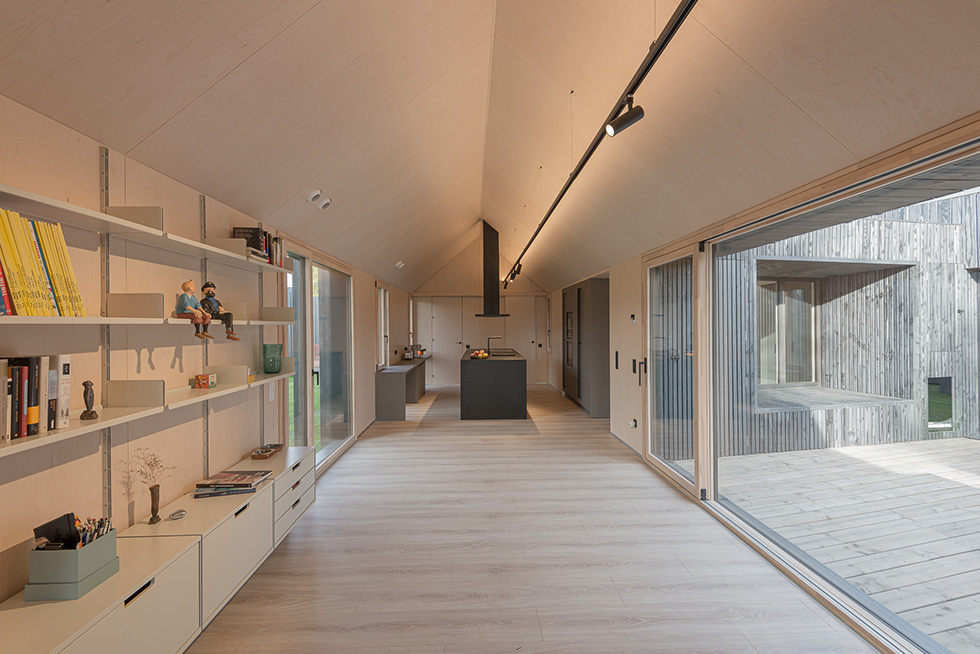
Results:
[145, 587]
[295, 486]
[297, 465]
[295, 504]
[242, 510]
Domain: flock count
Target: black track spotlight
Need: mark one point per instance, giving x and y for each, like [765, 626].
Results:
[625, 119]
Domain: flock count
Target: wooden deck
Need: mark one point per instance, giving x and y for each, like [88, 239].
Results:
[535, 536]
[899, 521]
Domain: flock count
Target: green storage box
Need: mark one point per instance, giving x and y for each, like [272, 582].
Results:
[69, 574]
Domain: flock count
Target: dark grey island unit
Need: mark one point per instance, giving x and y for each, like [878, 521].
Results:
[494, 388]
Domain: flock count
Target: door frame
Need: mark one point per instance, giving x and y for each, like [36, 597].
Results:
[701, 354]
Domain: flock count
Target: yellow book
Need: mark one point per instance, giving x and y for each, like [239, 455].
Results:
[12, 269]
[53, 266]
[61, 276]
[31, 305]
[62, 269]
[44, 274]
[76, 295]
[29, 262]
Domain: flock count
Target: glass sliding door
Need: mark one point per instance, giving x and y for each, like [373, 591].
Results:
[298, 348]
[332, 409]
[671, 356]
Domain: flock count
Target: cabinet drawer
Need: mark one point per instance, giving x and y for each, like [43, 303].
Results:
[162, 616]
[293, 512]
[232, 550]
[294, 474]
[293, 493]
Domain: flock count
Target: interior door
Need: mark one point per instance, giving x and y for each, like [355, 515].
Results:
[447, 340]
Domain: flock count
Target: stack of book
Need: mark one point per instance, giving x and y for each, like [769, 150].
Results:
[35, 393]
[36, 275]
[231, 482]
[260, 244]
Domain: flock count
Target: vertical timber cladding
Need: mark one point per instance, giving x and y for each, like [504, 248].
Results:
[881, 332]
[672, 367]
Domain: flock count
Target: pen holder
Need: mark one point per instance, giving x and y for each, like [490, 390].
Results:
[271, 358]
[69, 574]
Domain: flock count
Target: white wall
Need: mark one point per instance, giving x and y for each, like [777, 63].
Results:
[626, 338]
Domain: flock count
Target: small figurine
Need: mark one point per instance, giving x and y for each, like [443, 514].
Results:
[213, 307]
[89, 396]
[189, 307]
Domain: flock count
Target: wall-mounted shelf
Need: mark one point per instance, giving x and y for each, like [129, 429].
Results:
[124, 401]
[230, 251]
[40, 206]
[288, 370]
[231, 379]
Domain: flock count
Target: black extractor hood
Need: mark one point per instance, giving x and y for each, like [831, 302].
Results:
[491, 274]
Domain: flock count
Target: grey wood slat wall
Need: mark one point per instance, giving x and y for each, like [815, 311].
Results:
[880, 332]
[672, 367]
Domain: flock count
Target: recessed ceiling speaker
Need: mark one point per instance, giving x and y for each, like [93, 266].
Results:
[314, 196]
[323, 204]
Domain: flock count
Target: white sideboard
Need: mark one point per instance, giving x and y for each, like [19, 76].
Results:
[175, 576]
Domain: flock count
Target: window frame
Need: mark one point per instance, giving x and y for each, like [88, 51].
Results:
[781, 332]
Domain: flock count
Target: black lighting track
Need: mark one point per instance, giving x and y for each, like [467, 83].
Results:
[656, 49]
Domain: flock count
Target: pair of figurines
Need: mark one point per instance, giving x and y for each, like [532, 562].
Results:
[202, 312]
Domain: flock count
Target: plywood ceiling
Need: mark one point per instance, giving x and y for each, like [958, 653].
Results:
[419, 118]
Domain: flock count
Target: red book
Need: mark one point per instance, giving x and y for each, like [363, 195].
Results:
[6, 309]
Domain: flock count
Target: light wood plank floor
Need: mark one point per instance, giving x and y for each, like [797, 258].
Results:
[900, 521]
[536, 536]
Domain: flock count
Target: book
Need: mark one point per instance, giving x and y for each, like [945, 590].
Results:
[72, 283]
[13, 373]
[52, 418]
[62, 404]
[33, 412]
[38, 295]
[55, 271]
[4, 403]
[35, 243]
[16, 283]
[234, 479]
[22, 377]
[42, 388]
[6, 309]
[218, 492]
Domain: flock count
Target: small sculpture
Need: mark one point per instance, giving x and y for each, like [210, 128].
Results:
[189, 307]
[213, 308]
[88, 395]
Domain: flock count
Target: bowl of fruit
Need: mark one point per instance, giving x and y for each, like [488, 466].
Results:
[479, 354]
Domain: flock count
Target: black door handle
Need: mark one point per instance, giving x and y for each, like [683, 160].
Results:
[316, 376]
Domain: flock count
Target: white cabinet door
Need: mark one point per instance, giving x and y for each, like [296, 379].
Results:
[233, 549]
[161, 617]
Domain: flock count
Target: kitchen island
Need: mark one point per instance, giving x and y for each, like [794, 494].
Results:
[494, 388]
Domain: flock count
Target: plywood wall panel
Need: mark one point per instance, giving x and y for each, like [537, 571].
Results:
[40, 485]
[37, 154]
[365, 344]
[181, 204]
[233, 428]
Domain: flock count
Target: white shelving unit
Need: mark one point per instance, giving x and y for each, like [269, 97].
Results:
[125, 401]
[130, 400]
[230, 251]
